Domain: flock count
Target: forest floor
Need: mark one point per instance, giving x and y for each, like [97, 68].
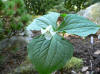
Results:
[82, 49]
[88, 52]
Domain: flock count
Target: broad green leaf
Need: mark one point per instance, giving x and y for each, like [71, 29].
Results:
[49, 55]
[78, 25]
[44, 21]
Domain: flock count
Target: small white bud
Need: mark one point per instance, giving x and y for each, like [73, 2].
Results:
[92, 40]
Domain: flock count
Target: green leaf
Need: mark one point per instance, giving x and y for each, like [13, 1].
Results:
[44, 21]
[63, 15]
[49, 55]
[78, 25]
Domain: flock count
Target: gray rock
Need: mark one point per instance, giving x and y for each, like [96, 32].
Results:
[25, 68]
[92, 13]
[19, 41]
[15, 41]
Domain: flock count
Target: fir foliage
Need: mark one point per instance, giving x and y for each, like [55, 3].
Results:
[13, 17]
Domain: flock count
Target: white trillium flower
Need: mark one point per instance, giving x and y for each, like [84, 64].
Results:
[48, 32]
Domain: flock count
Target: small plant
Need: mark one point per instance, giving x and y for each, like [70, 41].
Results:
[13, 17]
[50, 51]
[74, 63]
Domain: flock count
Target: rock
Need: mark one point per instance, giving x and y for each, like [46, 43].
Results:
[73, 72]
[84, 69]
[99, 36]
[19, 41]
[25, 68]
[81, 12]
[13, 42]
[54, 72]
[97, 61]
[87, 72]
[92, 13]
[30, 34]
[97, 52]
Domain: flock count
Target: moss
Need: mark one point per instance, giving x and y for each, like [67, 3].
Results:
[74, 63]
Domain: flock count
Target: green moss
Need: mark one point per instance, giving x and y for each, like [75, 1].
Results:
[74, 63]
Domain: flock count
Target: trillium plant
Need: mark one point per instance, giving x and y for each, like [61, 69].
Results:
[50, 51]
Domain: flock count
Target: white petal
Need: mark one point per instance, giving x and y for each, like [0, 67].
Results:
[49, 28]
[48, 32]
[43, 31]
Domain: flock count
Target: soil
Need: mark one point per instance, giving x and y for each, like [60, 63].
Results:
[11, 60]
[82, 49]
[85, 50]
